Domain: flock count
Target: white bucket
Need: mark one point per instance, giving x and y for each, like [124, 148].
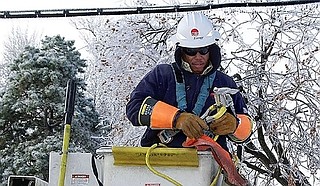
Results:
[140, 175]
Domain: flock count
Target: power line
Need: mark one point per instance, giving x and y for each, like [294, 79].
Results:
[139, 10]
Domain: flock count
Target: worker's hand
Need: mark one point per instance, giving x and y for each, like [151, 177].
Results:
[191, 125]
[226, 124]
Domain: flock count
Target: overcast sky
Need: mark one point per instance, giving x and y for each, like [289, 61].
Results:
[54, 26]
[49, 26]
[43, 27]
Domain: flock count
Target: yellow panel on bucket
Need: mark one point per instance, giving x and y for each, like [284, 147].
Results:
[158, 156]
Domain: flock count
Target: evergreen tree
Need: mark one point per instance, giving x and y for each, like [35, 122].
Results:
[32, 109]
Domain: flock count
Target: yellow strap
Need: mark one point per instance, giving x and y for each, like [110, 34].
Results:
[155, 171]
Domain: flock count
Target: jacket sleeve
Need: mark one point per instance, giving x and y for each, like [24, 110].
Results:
[147, 105]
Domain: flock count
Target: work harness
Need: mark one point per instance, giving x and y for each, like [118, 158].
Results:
[166, 135]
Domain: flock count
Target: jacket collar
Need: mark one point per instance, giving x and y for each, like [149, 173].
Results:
[185, 65]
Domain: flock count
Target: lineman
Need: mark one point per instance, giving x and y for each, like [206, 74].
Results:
[171, 97]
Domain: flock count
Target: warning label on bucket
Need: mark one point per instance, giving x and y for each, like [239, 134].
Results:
[79, 179]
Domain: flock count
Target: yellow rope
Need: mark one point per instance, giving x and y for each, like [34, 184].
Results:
[155, 171]
[221, 111]
[215, 180]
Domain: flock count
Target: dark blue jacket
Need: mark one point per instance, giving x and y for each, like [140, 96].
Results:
[160, 84]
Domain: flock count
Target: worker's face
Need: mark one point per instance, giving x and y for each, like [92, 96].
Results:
[198, 58]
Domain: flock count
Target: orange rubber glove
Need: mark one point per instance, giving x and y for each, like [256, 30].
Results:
[226, 124]
[191, 125]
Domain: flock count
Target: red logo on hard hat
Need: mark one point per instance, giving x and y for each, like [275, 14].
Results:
[194, 32]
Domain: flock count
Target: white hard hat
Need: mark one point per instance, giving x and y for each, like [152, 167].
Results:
[195, 30]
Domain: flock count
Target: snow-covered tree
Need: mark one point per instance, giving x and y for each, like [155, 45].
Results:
[275, 53]
[32, 108]
[122, 50]
[17, 40]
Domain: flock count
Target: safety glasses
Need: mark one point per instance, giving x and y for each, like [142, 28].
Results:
[194, 51]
